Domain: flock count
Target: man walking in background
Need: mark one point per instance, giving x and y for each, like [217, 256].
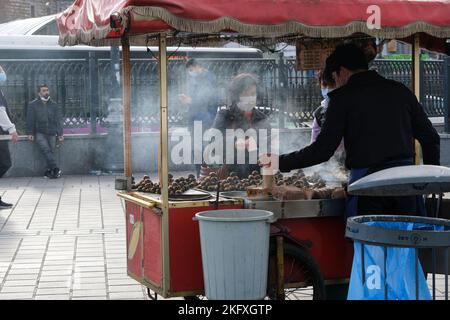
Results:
[7, 131]
[44, 125]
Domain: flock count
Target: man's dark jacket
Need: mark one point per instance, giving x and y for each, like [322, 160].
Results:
[44, 118]
[378, 119]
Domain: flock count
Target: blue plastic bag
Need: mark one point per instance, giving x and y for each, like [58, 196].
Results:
[400, 269]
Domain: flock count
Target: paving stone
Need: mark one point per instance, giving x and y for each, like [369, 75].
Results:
[55, 278]
[90, 269]
[20, 283]
[62, 272]
[18, 289]
[15, 295]
[22, 276]
[90, 274]
[57, 267]
[23, 271]
[90, 286]
[126, 295]
[125, 288]
[103, 297]
[88, 293]
[49, 262]
[54, 284]
[94, 263]
[27, 266]
[52, 297]
[113, 282]
[46, 291]
[118, 276]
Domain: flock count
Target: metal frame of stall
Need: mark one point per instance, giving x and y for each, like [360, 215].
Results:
[163, 150]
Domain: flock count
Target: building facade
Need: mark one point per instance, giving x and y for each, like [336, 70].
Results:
[21, 9]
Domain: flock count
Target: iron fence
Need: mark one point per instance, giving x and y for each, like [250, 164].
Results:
[289, 97]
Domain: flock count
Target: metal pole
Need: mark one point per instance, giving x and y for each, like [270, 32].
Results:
[385, 273]
[126, 76]
[416, 82]
[363, 268]
[93, 91]
[446, 93]
[283, 81]
[164, 160]
[280, 268]
[433, 254]
[446, 272]
[416, 255]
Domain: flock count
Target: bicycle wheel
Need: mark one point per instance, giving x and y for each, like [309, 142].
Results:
[302, 277]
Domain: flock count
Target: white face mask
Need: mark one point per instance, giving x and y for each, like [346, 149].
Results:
[45, 99]
[246, 104]
[2, 78]
[325, 92]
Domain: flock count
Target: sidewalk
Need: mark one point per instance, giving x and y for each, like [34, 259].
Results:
[64, 239]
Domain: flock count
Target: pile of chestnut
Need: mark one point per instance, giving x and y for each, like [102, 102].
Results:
[176, 186]
[231, 183]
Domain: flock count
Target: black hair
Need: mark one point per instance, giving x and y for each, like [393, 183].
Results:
[348, 56]
[241, 83]
[42, 85]
[192, 63]
[325, 79]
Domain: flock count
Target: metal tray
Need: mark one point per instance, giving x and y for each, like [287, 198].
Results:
[191, 194]
[242, 195]
[403, 181]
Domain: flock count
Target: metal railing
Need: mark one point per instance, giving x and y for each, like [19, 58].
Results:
[82, 88]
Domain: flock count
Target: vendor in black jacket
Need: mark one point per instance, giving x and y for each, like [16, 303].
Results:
[378, 119]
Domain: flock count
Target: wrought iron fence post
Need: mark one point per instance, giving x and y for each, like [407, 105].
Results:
[283, 82]
[93, 91]
[446, 92]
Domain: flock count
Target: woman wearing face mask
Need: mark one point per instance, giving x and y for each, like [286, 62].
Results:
[327, 85]
[241, 114]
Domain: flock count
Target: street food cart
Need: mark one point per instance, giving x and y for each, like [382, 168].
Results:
[162, 239]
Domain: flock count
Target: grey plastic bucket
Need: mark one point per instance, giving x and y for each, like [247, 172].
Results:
[235, 253]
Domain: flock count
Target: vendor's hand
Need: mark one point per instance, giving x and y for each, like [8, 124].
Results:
[269, 160]
[14, 137]
[185, 99]
[288, 193]
[61, 139]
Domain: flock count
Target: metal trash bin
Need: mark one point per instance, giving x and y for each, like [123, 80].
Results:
[392, 236]
[430, 241]
[235, 253]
